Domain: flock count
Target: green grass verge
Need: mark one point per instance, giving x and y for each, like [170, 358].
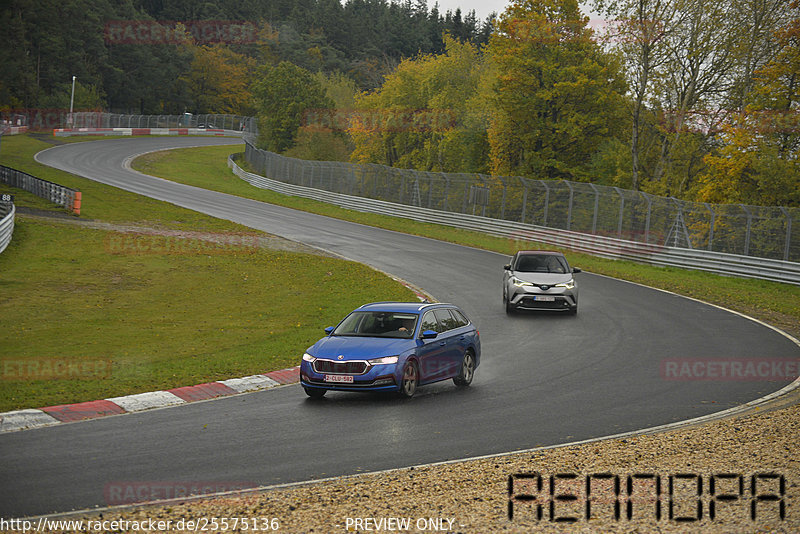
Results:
[69, 293]
[776, 303]
[72, 294]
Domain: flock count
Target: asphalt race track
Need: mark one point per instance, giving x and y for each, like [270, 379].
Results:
[544, 379]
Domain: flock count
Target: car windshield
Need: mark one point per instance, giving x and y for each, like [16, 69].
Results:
[378, 324]
[541, 263]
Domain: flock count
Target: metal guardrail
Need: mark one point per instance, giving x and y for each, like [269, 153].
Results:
[608, 247]
[55, 193]
[7, 212]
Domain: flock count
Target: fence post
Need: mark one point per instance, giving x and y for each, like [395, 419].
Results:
[713, 224]
[621, 211]
[747, 232]
[546, 201]
[647, 218]
[788, 233]
[569, 207]
[524, 183]
[596, 205]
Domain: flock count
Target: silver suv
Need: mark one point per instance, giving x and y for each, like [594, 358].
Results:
[540, 280]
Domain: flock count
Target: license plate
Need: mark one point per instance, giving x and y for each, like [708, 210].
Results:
[545, 299]
[339, 379]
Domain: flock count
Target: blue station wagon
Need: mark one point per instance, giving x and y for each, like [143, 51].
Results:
[393, 346]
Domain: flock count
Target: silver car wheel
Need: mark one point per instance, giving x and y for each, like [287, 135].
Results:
[410, 380]
[467, 370]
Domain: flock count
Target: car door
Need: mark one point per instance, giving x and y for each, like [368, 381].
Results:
[431, 353]
[453, 341]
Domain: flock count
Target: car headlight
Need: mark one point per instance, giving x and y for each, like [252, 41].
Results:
[517, 282]
[386, 360]
[568, 285]
[309, 358]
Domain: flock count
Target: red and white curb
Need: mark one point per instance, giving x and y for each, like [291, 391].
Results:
[65, 132]
[67, 413]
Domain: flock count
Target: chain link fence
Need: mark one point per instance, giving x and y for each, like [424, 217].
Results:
[764, 232]
[239, 123]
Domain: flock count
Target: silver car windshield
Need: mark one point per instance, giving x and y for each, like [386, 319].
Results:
[378, 324]
[541, 263]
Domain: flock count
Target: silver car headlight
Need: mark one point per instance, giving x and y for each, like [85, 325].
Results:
[386, 360]
[519, 283]
[309, 358]
[567, 285]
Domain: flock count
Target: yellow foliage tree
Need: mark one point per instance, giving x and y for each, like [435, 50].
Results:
[219, 81]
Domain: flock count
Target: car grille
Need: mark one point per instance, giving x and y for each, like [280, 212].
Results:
[345, 368]
[530, 302]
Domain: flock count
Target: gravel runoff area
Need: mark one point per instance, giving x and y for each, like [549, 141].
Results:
[476, 495]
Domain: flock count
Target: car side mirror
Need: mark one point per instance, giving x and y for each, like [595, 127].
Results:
[429, 334]
[576, 270]
[507, 267]
[329, 329]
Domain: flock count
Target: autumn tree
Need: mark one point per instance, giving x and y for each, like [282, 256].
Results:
[426, 116]
[638, 32]
[557, 95]
[285, 96]
[219, 81]
[759, 162]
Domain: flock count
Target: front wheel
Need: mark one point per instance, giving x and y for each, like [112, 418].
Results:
[464, 378]
[315, 393]
[410, 381]
[509, 308]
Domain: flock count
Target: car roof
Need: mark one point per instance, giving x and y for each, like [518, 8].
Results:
[408, 307]
[550, 252]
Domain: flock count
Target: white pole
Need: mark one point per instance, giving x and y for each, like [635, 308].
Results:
[71, 101]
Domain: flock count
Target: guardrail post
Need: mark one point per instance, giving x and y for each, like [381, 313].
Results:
[747, 232]
[788, 233]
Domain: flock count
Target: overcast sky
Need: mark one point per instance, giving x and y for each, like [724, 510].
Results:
[482, 7]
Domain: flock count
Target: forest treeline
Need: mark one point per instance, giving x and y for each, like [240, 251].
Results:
[46, 42]
[696, 99]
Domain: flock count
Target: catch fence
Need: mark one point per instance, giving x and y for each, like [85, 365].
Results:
[635, 216]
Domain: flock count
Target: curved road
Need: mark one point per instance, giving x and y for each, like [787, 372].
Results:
[544, 379]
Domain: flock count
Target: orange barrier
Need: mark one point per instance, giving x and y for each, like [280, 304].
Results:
[76, 205]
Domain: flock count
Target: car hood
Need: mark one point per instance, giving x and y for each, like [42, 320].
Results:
[358, 348]
[550, 279]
